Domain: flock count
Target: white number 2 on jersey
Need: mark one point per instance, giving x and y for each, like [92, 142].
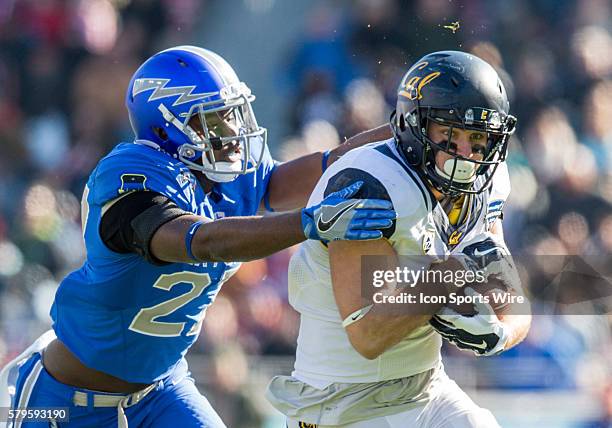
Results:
[145, 321]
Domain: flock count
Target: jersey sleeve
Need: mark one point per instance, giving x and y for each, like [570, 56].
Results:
[372, 188]
[129, 224]
[384, 177]
[131, 169]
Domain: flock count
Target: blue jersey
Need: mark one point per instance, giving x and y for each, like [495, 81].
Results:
[119, 313]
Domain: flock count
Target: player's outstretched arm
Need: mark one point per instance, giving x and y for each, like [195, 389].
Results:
[383, 325]
[292, 182]
[190, 238]
[231, 239]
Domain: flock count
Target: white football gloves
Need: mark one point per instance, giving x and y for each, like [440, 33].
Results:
[484, 334]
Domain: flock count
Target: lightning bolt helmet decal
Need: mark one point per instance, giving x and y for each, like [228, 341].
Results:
[161, 91]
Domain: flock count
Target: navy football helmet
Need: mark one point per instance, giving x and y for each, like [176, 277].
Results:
[182, 83]
[453, 89]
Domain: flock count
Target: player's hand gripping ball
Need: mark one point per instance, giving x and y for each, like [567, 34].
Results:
[471, 318]
[493, 272]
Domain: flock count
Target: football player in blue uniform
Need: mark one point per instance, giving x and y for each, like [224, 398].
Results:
[167, 220]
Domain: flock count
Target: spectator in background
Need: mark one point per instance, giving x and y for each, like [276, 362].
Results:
[321, 67]
[597, 136]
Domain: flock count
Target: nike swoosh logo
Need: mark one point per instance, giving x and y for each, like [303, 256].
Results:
[324, 225]
[481, 345]
[479, 253]
[354, 317]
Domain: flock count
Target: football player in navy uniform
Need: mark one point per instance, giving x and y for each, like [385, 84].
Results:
[366, 363]
[167, 219]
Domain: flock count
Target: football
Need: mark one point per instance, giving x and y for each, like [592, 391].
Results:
[494, 292]
[494, 279]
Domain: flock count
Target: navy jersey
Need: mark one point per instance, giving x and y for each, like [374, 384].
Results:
[119, 313]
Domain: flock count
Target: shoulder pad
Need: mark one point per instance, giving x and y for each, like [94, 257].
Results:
[385, 176]
[133, 167]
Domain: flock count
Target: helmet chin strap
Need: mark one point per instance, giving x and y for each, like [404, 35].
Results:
[465, 171]
[224, 167]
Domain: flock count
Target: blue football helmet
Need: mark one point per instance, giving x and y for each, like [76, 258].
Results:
[180, 84]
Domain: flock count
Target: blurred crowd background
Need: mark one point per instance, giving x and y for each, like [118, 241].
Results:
[323, 71]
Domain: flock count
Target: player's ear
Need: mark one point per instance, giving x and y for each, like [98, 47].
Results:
[161, 133]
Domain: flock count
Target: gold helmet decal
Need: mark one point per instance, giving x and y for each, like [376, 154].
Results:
[412, 86]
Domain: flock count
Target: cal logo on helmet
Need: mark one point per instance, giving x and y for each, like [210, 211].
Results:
[411, 86]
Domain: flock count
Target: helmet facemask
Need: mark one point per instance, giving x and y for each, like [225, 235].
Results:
[232, 111]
